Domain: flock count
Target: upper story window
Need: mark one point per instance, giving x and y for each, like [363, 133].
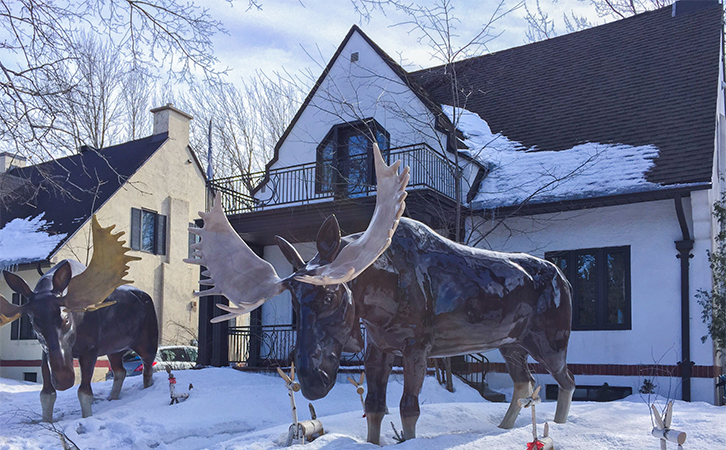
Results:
[148, 231]
[21, 329]
[193, 239]
[345, 157]
[600, 279]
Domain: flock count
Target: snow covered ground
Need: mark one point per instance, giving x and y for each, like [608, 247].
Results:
[229, 409]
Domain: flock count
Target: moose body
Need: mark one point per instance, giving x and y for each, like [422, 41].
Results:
[419, 294]
[129, 323]
[425, 297]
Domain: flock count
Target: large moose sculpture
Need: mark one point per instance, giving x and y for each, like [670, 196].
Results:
[79, 312]
[418, 294]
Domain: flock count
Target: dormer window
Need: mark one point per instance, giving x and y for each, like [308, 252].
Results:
[345, 158]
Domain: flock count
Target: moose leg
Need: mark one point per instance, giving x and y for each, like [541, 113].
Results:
[556, 365]
[147, 357]
[516, 360]
[85, 394]
[47, 394]
[119, 373]
[414, 372]
[378, 367]
[564, 395]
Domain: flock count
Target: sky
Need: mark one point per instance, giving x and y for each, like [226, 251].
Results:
[299, 35]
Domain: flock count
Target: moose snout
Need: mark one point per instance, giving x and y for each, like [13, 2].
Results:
[63, 380]
[315, 384]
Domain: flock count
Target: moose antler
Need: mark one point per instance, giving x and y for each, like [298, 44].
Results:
[354, 258]
[106, 271]
[8, 311]
[248, 281]
[236, 272]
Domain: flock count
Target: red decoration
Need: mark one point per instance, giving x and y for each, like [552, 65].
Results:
[531, 445]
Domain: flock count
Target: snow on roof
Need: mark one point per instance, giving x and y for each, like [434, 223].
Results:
[26, 240]
[518, 174]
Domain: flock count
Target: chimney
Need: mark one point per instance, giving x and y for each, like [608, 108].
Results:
[681, 7]
[168, 119]
[10, 160]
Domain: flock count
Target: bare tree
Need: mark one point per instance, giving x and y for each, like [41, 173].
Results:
[92, 101]
[41, 63]
[247, 121]
[540, 25]
[136, 94]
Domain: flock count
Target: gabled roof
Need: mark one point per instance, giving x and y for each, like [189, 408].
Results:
[69, 190]
[442, 121]
[648, 79]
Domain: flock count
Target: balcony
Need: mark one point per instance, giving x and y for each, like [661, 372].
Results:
[298, 185]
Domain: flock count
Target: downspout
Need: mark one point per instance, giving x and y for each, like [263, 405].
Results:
[684, 248]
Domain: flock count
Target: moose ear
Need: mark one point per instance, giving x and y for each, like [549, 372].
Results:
[328, 240]
[290, 253]
[61, 277]
[17, 284]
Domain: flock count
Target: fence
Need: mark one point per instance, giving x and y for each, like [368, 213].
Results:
[272, 346]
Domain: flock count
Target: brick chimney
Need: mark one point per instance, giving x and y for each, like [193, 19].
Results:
[174, 121]
[10, 160]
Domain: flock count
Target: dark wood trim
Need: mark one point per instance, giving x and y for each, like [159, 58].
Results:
[101, 363]
[641, 370]
[300, 223]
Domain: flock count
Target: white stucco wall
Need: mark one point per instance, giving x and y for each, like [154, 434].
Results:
[650, 230]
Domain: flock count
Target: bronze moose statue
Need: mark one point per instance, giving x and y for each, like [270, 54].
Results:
[83, 312]
[419, 295]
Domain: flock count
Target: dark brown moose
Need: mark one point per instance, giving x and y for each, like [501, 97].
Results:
[79, 312]
[418, 294]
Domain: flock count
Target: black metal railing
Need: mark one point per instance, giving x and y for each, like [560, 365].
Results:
[272, 346]
[472, 369]
[301, 184]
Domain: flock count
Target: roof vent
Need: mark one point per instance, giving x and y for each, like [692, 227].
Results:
[687, 6]
[354, 57]
[84, 148]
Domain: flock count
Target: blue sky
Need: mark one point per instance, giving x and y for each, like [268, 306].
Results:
[293, 35]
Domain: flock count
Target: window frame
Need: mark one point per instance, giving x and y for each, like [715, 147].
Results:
[338, 185]
[160, 231]
[21, 329]
[601, 304]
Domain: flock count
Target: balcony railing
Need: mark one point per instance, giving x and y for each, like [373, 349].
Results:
[273, 346]
[300, 185]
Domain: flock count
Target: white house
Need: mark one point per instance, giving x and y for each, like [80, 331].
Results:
[600, 150]
[151, 188]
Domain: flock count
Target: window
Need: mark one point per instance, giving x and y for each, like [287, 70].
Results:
[345, 158]
[600, 281]
[193, 239]
[30, 376]
[21, 329]
[148, 231]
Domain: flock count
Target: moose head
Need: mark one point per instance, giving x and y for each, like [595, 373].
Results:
[327, 322]
[66, 290]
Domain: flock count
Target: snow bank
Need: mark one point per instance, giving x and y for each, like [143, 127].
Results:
[517, 174]
[229, 409]
[26, 240]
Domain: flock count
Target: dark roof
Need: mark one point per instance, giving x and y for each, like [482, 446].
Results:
[69, 190]
[648, 79]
